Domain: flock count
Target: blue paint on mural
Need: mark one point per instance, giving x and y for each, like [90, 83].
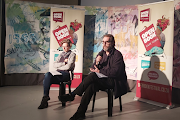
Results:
[27, 40]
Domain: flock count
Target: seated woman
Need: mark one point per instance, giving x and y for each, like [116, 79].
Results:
[64, 63]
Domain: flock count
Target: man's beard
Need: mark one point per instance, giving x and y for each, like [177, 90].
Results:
[107, 48]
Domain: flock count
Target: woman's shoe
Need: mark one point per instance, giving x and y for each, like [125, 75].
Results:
[44, 103]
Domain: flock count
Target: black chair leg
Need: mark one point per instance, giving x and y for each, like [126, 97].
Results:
[110, 100]
[112, 96]
[59, 92]
[94, 97]
[69, 84]
[120, 103]
[62, 91]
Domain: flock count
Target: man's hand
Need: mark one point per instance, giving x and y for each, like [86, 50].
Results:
[98, 59]
[94, 70]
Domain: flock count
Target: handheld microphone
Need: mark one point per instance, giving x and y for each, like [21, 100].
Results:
[98, 62]
[101, 53]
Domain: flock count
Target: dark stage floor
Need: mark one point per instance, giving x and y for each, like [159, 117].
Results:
[21, 102]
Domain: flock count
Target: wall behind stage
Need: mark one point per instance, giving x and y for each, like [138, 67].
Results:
[60, 2]
[108, 3]
[176, 46]
[0, 44]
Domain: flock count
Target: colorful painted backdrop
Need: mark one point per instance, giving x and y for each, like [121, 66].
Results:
[123, 24]
[28, 39]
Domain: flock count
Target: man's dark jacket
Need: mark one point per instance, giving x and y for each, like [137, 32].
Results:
[113, 66]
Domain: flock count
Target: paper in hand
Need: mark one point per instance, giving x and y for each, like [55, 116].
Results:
[100, 75]
[55, 73]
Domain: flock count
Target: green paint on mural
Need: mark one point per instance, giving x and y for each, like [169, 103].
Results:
[17, 19]
[91, 10]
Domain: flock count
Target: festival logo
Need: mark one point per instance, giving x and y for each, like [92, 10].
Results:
[58, 16]
[153, 75]
[154, 40]
[144, 15]
[73, 28]
[149, 37]
[61, 33]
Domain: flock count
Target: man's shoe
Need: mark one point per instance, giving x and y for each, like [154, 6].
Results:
[78, 116]
[44, 103]
[66, 97]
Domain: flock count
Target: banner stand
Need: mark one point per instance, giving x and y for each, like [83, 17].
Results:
[154, 103]
[154, 78]
[67, 24]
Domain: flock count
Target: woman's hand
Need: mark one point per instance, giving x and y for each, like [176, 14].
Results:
[66, 60]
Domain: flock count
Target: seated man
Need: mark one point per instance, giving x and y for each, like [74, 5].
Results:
[110, 63]
[64, 63]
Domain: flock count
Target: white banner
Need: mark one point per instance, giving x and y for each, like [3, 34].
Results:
[67, 23]
[155, 52]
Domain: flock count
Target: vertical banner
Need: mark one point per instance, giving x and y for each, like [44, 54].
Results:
[155, 52]
[67, 23]
[123, 24]
[176, 45]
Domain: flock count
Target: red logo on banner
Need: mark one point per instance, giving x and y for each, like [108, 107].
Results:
[58, 16]
[155, 92]
[153, 75]
[62, 33]
[144, 15]
[149, 38]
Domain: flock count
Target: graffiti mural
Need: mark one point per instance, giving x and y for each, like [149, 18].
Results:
[27, 37]
[123, 24]
[101, 25]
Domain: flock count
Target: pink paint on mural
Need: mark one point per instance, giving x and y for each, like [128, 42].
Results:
[123, 24]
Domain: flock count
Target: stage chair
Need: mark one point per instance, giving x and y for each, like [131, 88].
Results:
[62, 86]
[110, 101]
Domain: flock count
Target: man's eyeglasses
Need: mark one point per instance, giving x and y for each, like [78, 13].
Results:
[105, 42]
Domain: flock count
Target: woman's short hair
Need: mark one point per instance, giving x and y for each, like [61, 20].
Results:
[111, 38]
[67, 41]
